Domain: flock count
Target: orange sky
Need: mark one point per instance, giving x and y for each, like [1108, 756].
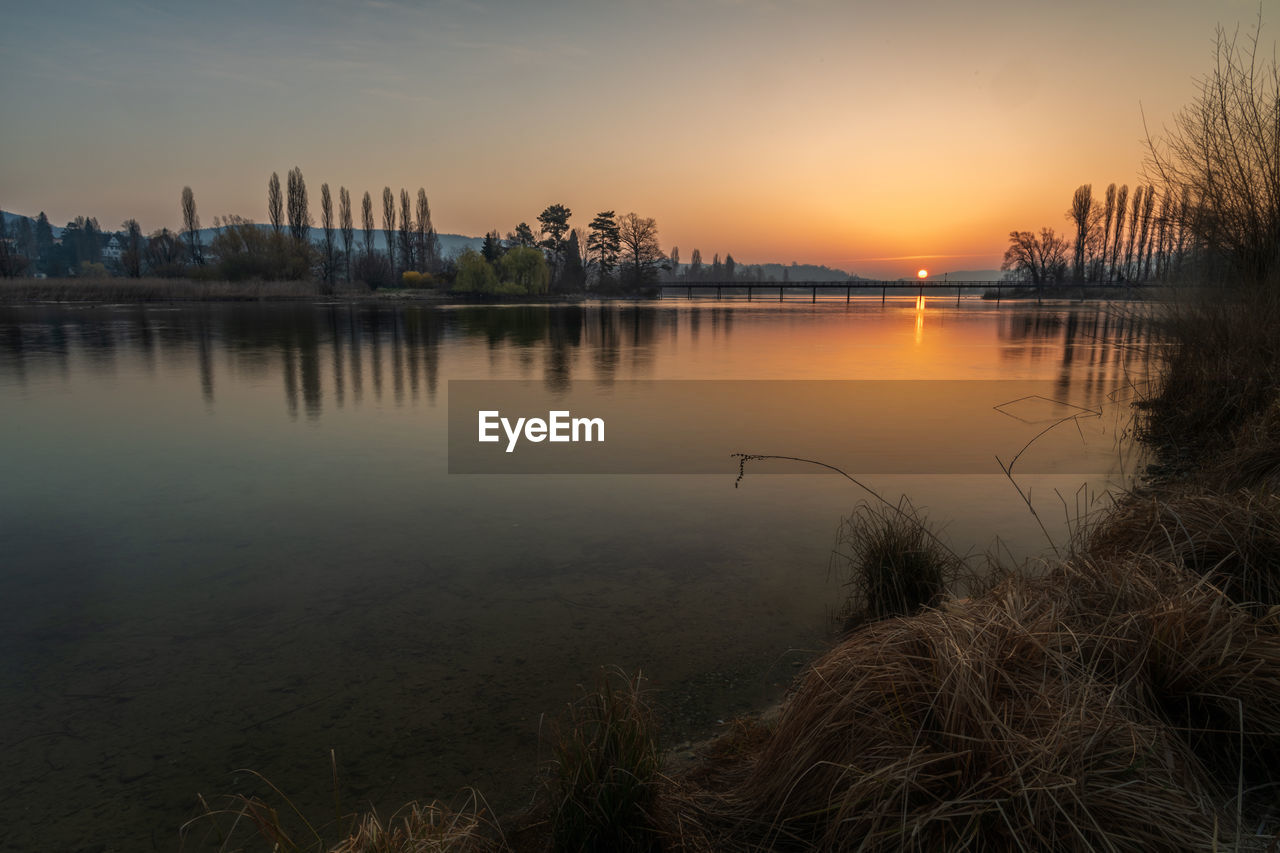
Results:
[871, 136]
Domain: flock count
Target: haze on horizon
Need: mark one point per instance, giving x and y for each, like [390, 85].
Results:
[875, 137]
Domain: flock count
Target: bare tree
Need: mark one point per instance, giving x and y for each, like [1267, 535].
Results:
[1164, 237]
[191, 227]
[1122, 199]
[134, 248]
[330, 245]
[344, 223]
[1080, 214]
[428, 248]
[275, 203]
[1108, 213]
[406, 232]
[1038, 258]
[1144, 235]
[1224, 151]
[641, 253]
[1184, 227]
[299, 209]
[1135, 213]
[366, 221]
[389, 226]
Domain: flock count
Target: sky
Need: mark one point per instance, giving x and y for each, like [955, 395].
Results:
[876, 137]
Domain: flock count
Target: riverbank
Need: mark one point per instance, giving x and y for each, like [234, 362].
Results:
[1112, 291]
[1126, 699]
[160, 290]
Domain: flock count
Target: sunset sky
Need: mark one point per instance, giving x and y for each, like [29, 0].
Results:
[872, 136]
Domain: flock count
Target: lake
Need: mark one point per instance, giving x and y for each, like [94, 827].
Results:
[229, 539]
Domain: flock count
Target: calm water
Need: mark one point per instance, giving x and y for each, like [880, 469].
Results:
[228, 539]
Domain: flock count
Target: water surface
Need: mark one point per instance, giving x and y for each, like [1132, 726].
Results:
[228, 539]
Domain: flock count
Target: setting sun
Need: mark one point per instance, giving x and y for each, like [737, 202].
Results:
[922, 274]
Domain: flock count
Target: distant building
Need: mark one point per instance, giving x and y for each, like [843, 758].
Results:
[114, 248]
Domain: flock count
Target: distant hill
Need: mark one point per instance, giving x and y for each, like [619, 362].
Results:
[12, 219]
[777, 272]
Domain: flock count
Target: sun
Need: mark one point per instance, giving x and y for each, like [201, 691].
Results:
[922, 273]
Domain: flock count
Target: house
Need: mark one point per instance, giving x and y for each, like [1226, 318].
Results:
[114, 248]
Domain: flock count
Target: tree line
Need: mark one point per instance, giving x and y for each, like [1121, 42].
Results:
[1148, 236]
[1210, 207]
[613, 254]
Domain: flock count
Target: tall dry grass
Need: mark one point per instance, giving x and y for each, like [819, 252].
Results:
[606, 772]
[892, 562]
[1087, 710]
[1218, 376]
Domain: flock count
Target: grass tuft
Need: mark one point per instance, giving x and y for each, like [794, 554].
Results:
[895, 563]
[605, 775]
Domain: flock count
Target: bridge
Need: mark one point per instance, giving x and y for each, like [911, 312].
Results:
[884, 287]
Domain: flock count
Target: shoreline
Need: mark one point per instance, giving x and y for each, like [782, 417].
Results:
[186, 291]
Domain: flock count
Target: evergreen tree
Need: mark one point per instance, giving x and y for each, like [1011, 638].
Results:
[44, 245]
[522, 237]
[573, 278]
[492, 248]
[604, 242]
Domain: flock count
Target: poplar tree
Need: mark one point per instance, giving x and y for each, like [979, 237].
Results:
[389, 226]
[406, 232]
[299, 212]
[1122, 198]
[275, 203]
[345, 224]
[326, 222]
[366, 220]
[191, 226]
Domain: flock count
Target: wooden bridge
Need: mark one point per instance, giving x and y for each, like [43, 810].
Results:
[829, 287]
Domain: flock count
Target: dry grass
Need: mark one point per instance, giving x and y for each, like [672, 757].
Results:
[1040, 716]
[1232, 539]
[249, 822]
[895, 564]
[433, 828]
[1220, 370]
[606, 773]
